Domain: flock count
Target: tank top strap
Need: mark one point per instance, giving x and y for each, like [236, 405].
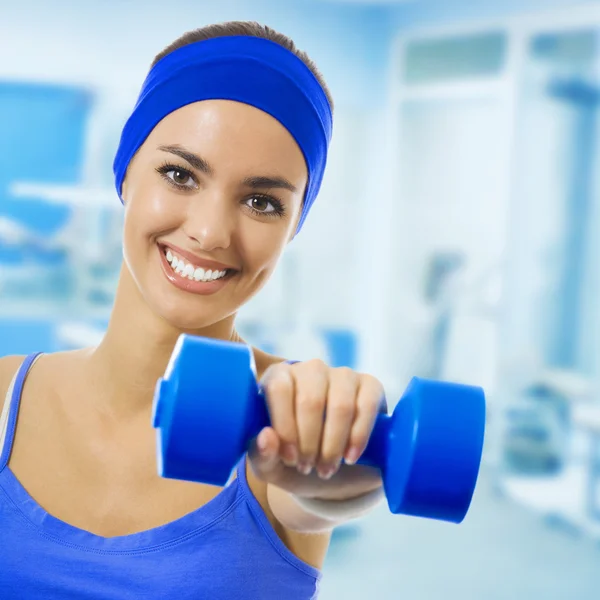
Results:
[8, 420]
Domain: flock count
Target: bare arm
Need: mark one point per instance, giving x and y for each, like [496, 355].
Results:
[292, 516]
[304, 535]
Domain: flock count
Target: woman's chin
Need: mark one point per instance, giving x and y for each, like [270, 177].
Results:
[190, 322]
[188, 319]
[186, 312]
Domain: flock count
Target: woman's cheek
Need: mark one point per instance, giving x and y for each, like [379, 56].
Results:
[160, 210]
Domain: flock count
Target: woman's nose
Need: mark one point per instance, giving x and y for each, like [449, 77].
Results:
[211, 221]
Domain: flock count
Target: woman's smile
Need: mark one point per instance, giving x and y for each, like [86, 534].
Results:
[197, 277]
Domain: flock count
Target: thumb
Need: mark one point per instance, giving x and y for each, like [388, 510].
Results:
[264, 455]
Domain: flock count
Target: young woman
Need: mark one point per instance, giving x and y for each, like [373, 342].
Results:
[217, 168]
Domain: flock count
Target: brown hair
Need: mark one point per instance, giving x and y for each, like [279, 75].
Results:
[251, 28]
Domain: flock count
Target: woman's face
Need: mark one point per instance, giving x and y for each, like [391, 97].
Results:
[217, 186]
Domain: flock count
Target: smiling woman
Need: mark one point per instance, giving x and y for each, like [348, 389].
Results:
[217, 169]
[203, 182]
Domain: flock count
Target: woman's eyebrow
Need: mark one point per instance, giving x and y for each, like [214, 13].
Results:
[204, 166]
[269, 182]
[196, 161]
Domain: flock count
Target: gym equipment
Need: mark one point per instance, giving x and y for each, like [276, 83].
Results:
[208, 408]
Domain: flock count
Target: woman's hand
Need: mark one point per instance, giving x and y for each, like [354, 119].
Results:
[320, 416]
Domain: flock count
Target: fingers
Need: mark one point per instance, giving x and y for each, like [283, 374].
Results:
[279, 386]
[312, 383]
[370, 400]
[321, 415]
[264, 457]
[340, 414]
[266, 464]
[264, 453]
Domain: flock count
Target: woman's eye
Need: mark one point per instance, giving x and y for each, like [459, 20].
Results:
[260, 204]
[181, 178]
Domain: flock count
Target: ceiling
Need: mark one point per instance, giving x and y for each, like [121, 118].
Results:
[371, 2]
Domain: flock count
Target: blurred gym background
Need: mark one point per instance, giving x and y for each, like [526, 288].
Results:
[456, 236]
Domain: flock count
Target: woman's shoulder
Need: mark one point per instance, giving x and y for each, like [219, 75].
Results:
[53, 366]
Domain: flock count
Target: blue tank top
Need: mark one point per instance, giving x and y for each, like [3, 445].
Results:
[227, 549]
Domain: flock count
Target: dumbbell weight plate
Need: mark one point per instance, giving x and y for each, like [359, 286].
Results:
[201, 436]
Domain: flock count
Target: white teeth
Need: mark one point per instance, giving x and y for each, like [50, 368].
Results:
[190, 272]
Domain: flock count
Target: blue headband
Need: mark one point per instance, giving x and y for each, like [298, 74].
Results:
[246, 69]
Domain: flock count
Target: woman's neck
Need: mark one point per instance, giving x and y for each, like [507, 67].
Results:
[136, 349]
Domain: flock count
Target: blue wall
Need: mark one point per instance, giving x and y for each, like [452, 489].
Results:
[43, 135]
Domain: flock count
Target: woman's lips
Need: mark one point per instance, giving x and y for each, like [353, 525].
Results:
[203, 288]
[191, 258]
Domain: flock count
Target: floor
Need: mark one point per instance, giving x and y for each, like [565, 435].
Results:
[500, 552]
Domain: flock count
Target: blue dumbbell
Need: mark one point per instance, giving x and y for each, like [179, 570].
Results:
[208, 408]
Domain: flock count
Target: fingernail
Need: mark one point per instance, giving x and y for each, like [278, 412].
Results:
[352, 456]
[290, 455]
[261, 443]
[326, 471]
[304, 467]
